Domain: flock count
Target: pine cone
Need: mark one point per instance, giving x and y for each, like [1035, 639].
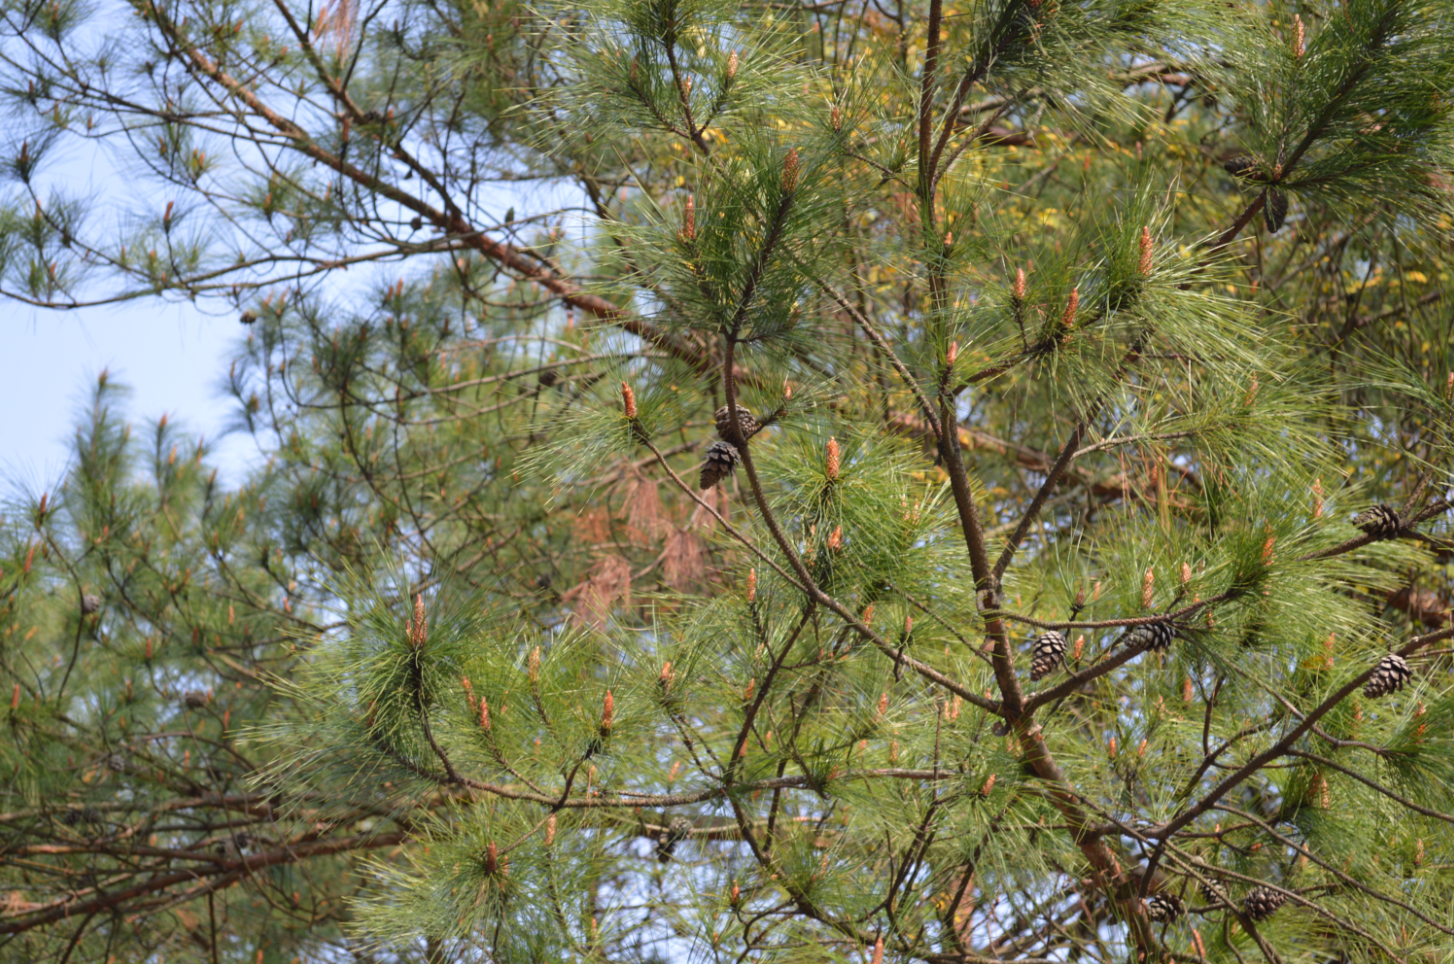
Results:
[1389, 677]
[1262, 903]
[1244, 167]
[1048, 653]
[1380, 521]
[1274, 210]
[195, 699]
[84, 815]
[1155, 636]
[247, 317]
[745, 421]
[678, 830]
[1164, 907]
[1209, 892]
[90, 602]
[722, 458]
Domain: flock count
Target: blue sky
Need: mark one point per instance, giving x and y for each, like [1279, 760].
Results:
[171, 355]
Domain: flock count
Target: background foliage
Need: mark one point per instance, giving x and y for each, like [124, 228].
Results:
[469, 668]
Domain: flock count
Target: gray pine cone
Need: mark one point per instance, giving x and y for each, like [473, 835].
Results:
[1164, 907]
[1389, 676]
[1262, 903]
[1244, 167]
[1155, 636]
[745, 421]
[90, 602]
[1048, 653]
[678, 830]
[1274, 210]
[1380, 521]
[722, 458]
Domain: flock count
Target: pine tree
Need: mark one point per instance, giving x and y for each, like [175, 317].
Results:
[1113, 320]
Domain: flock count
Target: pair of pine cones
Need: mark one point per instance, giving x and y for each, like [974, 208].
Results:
[1050, 648]
[1259, 904]
[722, 455]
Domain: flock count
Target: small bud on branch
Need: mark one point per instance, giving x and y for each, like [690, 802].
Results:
[628, 397]
[1067, 320]
[790, 171]
[832, 460]
[416, 626]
